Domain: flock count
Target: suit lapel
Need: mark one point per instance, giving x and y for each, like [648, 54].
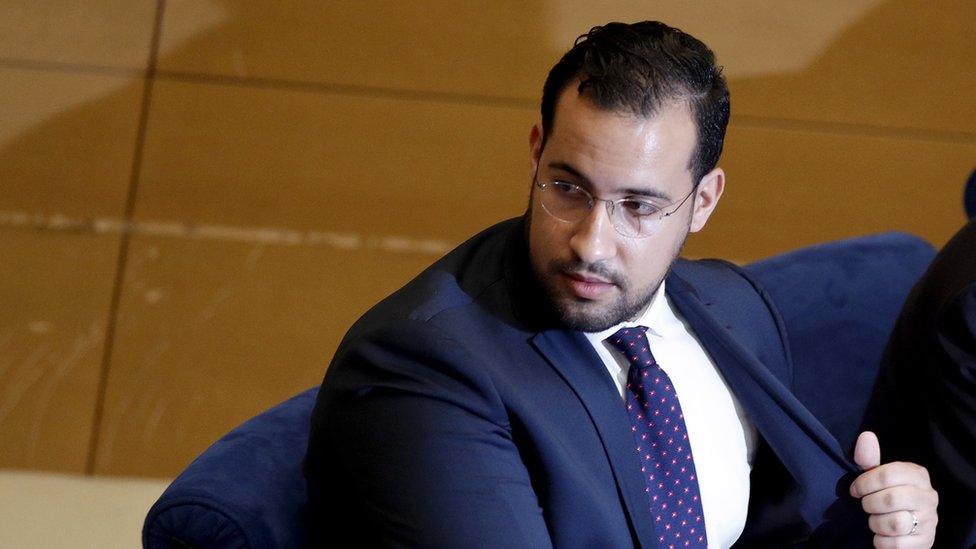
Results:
[571, 354]
[811, 454]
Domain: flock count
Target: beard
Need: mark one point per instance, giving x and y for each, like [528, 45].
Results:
[591, 316]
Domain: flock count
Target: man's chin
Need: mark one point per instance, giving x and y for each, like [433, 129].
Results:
[587, 316]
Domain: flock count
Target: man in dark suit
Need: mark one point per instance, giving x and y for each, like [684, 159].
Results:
[524, 390]
[924, 405]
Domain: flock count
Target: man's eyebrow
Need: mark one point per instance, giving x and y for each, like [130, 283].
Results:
[631, 191]
[649, 193]
[571, 170]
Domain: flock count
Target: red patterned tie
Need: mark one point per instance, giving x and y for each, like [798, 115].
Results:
[662, 444]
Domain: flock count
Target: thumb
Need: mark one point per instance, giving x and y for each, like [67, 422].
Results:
[867, 451]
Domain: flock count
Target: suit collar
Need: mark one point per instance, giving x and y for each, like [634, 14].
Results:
[811, 454]
[575, 360]
[741, 365]
[572, 356]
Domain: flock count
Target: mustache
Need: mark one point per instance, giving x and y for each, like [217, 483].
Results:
[582, 267]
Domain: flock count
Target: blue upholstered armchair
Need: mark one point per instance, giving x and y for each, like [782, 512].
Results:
[839, 302]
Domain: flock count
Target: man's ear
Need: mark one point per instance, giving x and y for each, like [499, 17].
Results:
[535, 148]
[706, 197]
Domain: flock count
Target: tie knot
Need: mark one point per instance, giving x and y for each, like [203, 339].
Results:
[632, 343]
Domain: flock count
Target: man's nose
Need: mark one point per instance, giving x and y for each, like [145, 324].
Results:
[594, 238]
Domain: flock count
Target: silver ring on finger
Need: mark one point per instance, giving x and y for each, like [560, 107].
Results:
[914, 530]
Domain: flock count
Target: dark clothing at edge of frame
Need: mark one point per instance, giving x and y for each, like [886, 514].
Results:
[924, 406]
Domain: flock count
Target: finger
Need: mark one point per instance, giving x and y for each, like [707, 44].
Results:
[889, 475]
[903, 542]
[867, 450]
[899, 523]
[899, 498]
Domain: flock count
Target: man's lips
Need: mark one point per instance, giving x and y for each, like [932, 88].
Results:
[587, 278]
[587, 286]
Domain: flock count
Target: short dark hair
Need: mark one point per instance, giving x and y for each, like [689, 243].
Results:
[640, 68]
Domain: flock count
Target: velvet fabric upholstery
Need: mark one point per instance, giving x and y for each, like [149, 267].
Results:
[839, 302]
[245, 491]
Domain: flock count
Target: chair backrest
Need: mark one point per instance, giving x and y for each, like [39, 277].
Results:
[839, 302]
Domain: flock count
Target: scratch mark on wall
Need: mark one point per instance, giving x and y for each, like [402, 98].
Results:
[149, 379]
[82, 344]
[24, 378]
[7, 358]
[39, 326]
[152, 422]
[253, 257]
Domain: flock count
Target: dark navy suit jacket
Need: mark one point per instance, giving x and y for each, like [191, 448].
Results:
[458, 413]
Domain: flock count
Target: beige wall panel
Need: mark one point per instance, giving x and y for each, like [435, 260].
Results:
[66, 142]
[904, 64]
[249, 157]
[484, 48]
[55, 288]
[848, 61]
[114, 33]
[211, 332]
[787, 189]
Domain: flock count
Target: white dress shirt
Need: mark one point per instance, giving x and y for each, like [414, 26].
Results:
[723, 439]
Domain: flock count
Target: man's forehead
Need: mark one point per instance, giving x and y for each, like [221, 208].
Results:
[623, 107]
[579, 123]
[580, 110]
[571, 99]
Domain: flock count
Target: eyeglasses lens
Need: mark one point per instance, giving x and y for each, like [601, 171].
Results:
[572, 204]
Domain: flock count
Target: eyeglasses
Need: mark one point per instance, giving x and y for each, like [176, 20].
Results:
[631, 217]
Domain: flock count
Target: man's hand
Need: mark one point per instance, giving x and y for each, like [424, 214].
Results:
[897, 496]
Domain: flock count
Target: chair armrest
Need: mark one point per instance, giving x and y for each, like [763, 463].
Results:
[245, 490]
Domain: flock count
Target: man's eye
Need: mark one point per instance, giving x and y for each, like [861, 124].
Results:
[565, 188]
[639, 207]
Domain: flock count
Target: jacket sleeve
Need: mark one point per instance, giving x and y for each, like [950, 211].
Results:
[410, 446]
[951, 420]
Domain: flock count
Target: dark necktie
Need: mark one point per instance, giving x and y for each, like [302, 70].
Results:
[662, 444]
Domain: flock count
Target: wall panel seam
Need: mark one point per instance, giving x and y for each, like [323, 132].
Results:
[852, 129]
[69, 68]
[117, 287]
